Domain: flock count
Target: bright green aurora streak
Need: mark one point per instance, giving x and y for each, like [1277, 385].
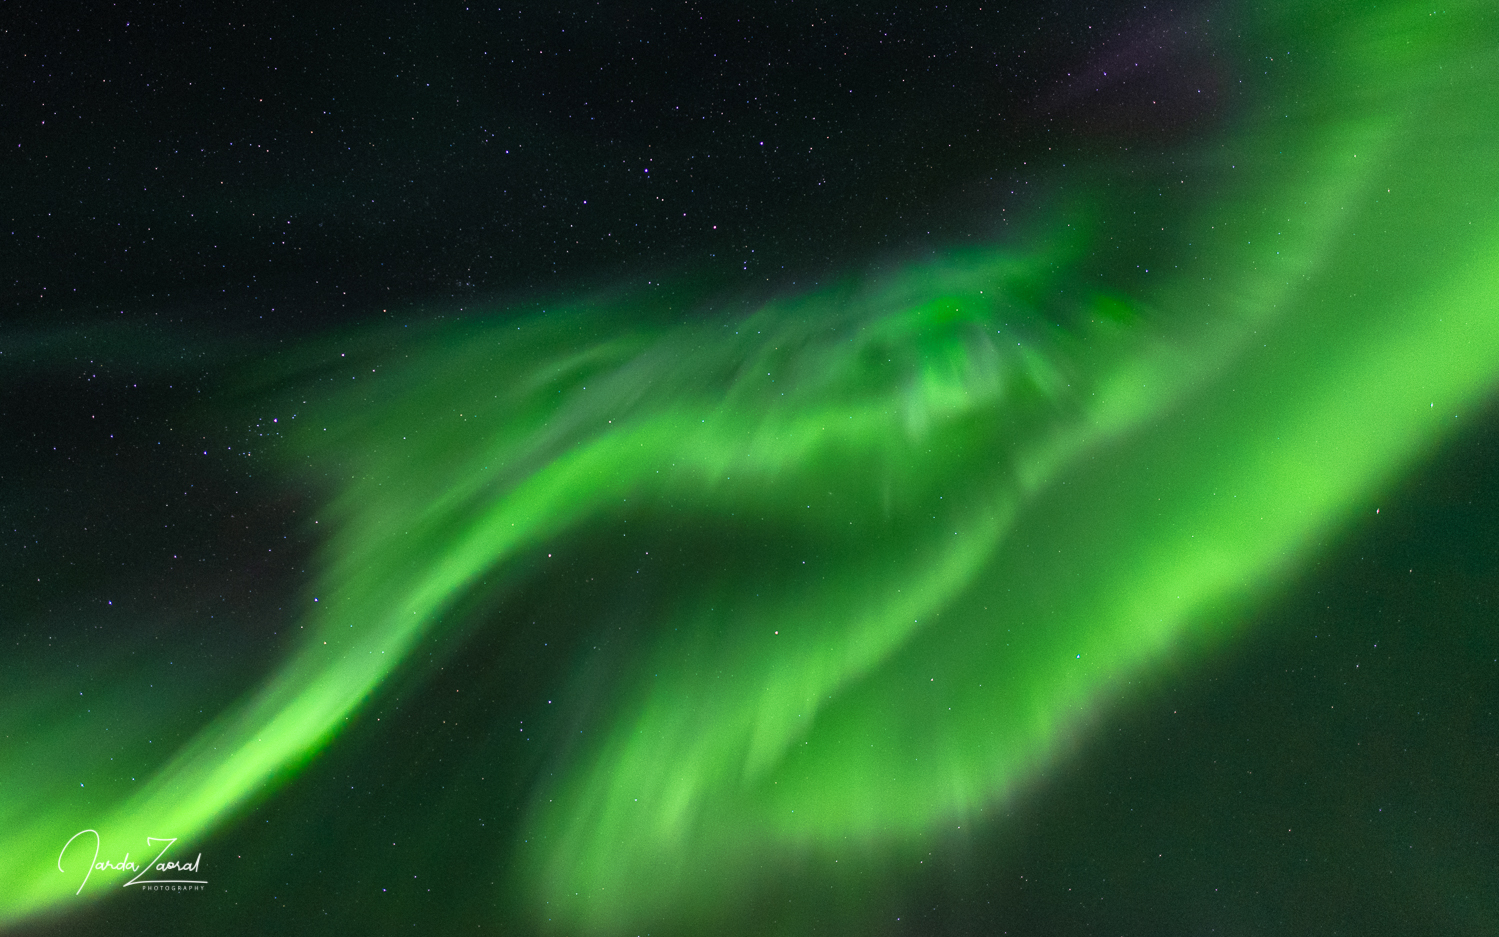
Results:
[992, 519]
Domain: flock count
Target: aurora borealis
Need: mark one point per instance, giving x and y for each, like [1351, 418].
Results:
[773, 592]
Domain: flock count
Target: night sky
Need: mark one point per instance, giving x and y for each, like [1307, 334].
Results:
[276, 154]
[218, 217]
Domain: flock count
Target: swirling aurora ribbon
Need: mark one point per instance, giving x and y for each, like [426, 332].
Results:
[992, 517]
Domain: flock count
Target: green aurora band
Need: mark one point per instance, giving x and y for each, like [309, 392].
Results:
[983, 522]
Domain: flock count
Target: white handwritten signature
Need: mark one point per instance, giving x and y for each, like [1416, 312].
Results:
[125, 865]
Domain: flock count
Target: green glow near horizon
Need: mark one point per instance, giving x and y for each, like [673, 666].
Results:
[1011, 519]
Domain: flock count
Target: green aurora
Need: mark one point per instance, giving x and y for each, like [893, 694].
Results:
[946, 523]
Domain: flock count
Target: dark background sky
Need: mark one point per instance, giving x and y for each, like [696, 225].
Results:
[231, 159]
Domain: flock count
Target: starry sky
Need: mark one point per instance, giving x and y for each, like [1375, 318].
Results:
[232, 230]
[273, 152]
